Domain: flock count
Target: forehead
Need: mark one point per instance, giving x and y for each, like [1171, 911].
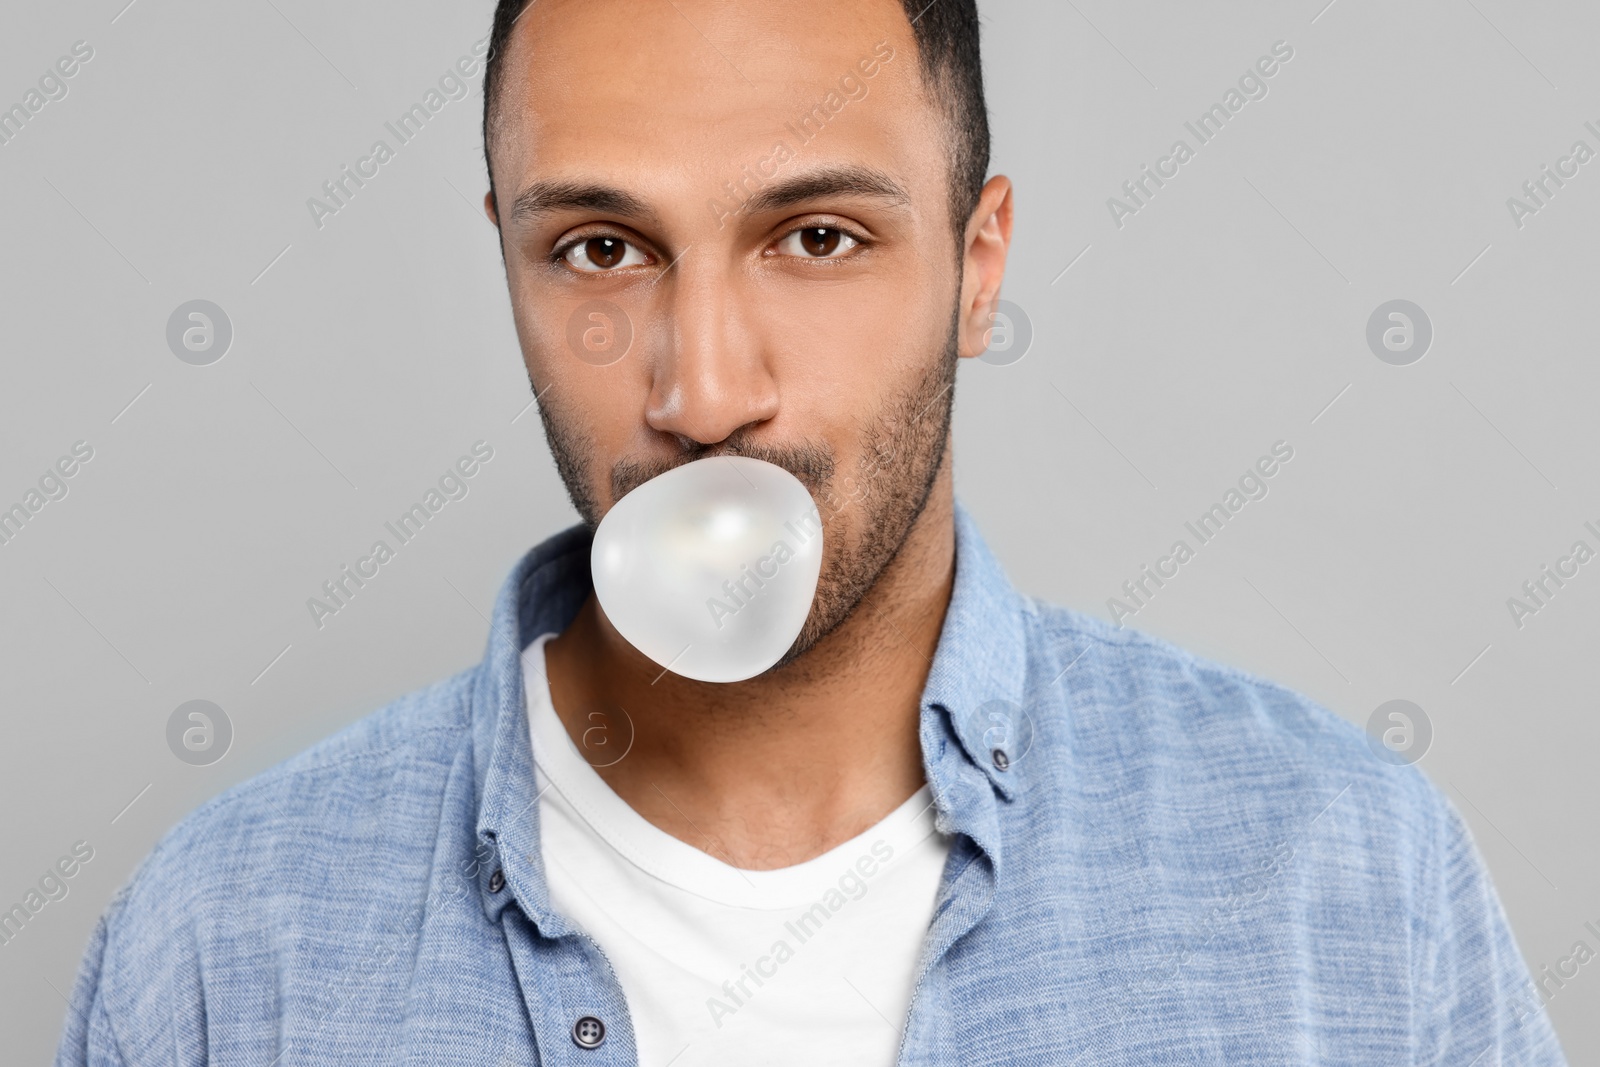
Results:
[691, 91]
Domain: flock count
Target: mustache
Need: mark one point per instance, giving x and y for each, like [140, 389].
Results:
[811, 463]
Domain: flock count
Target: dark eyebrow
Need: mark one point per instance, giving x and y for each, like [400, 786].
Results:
[845, 180]
[545, 197]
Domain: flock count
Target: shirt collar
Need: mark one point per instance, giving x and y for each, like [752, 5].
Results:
[974, 697]
[980, 667]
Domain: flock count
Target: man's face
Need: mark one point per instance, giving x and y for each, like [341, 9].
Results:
[789, 299]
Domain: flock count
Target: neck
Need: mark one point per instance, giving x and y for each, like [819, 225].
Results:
[780, 768]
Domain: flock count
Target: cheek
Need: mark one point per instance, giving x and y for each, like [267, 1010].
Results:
[843, 348]
[588, 344]
[596, 414]
[848, 368]
[599, 412]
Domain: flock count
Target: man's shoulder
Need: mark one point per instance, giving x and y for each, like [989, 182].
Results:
[1158, 674]
[353, 767]
[292, 831]
[287, 881]
[1153, 713]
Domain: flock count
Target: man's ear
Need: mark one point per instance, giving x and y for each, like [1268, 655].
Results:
[489, 209]
[988, 238]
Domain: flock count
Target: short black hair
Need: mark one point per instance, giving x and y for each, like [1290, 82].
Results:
[951, 64]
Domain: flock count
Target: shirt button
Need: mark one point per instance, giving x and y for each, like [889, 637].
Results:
[588, 1032]
[1001, 760]
[497, 881]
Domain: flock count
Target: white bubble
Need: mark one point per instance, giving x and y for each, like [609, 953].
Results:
[710, 569]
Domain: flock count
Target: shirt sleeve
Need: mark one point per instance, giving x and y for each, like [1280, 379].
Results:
[1482, 1006]
[87, 1040]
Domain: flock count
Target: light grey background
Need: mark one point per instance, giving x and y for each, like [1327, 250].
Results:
[1230, 312]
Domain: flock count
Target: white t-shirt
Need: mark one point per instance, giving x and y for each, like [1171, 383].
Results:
[810, 964]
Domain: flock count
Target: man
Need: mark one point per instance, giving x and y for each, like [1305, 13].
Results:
[953, 825]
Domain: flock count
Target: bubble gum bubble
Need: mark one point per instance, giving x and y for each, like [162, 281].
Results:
[710, 568]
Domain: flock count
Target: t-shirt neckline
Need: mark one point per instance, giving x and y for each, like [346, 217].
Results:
[656, 852]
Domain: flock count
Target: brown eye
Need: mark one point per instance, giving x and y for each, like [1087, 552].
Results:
[604, 251]
[601, 253]
[817, 242]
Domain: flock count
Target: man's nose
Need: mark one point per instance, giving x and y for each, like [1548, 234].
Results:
[711, 378]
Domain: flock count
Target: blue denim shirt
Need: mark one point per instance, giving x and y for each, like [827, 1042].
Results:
[1157, 860]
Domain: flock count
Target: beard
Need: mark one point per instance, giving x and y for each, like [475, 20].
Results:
[865, 522]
